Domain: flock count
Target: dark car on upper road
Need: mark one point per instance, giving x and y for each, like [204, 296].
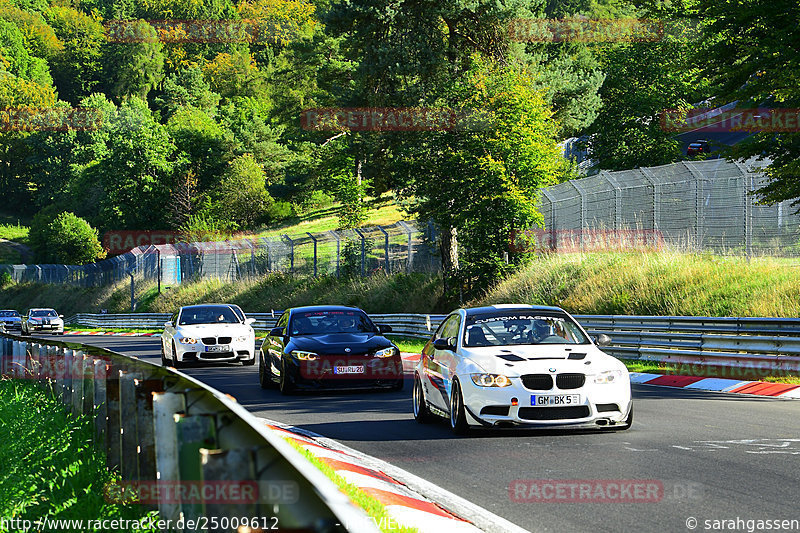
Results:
[329, 347]
[697, 148]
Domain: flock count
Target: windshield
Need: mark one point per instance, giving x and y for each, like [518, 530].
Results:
[316, 322]
[208, 315]
[44, 312]
[509, 329]
[9, 313]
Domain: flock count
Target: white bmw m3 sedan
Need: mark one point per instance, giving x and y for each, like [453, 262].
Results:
[214, 333]
[519, 365]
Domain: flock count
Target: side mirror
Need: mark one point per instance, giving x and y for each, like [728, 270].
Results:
[168, 324]
[384, 328]
[443, 344]
[276, 332]
[249, 321]
[60, 316]
[603, 340]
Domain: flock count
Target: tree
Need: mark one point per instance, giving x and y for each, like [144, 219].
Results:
[753, 55]
[134, 68]
[481, 184]
[241, 195]
[642, 81]
[64, 238]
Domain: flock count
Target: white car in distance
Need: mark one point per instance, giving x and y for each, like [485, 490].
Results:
[43, 320]
[519, 365]
[209, 333]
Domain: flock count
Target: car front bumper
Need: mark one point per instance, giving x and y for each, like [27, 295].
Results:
[599, 405]
[322, 373]
[198, 352]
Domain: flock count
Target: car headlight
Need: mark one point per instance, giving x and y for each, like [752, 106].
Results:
[610, 376]
[187, 340]
[490, 380]
[304, 356]
[241, 338]
[386, 352]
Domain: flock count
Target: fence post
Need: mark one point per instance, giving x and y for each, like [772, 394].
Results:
[230, 466]
[87, 406]
[77, 383]
[144, 424]
[314, 239]
[409, 247]
[385, 248]
[291, 253]
[66, 395]
[583, 207]
[748, 215]
[101, 368]
[363, 252]
[113, 420]
[338, 250]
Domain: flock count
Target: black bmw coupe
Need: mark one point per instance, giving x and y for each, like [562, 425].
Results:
[329, 347]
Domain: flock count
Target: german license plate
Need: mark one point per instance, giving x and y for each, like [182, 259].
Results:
[218, 348]
[553, 400]
[359, 369]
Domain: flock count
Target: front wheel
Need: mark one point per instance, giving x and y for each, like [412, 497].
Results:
[458, 416]
[421, 412]
[286, 385]
[174, 363]
[163, 356]
[265, 374]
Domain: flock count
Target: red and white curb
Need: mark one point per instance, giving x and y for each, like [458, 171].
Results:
[399, 491]
[734, 386]
[113, 333]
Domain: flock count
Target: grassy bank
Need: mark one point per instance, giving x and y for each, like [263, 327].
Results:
[48, 465]
[657, 284]
[600, 283]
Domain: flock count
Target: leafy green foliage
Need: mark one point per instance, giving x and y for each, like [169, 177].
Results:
[64, 238]
[134, 68]
[242, 195]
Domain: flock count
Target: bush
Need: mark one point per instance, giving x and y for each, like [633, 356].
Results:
[64, 238]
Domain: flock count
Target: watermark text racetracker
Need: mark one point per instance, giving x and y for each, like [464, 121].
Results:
[602, 491]
[150, 523]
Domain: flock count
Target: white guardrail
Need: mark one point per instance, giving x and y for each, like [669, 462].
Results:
[760, 343]
[169, 435]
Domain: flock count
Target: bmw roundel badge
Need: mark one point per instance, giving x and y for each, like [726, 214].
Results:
[347, 350]
[552, 369]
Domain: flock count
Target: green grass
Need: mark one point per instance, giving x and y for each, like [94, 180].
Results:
[382, 211]
[14, 232]
[408, 344]
[48, 464]
[370, 505]
[665, 283]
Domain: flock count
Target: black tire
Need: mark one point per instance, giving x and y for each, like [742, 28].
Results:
[163, 356]
[286, 385]
[628, 421]
[265, 374]
[174, 363]
[458, 415]
[420, 407]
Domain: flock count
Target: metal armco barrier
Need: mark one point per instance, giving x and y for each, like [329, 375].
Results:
[718, 341]
[162, 429]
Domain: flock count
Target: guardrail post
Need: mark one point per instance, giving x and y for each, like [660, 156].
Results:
[129, 443]
[77, 383]
[100, 403]
[230, 467]
[291, 253]
[88, 386]
[193, 433]
[165, 406]
[112, 417]
[144, 424]
[66, 385]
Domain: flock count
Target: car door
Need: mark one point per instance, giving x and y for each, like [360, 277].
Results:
[436, 365]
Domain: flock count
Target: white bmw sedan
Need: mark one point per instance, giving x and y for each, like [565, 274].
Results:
[214, 333]
[519, 365]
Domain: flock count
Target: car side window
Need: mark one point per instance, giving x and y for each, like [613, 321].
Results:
[452, 327]
[283, 321]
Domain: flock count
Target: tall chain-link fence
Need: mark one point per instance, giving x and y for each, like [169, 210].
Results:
[400, 247]
[692, 205]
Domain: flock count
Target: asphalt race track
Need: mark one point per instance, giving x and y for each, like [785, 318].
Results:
[717, 456]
